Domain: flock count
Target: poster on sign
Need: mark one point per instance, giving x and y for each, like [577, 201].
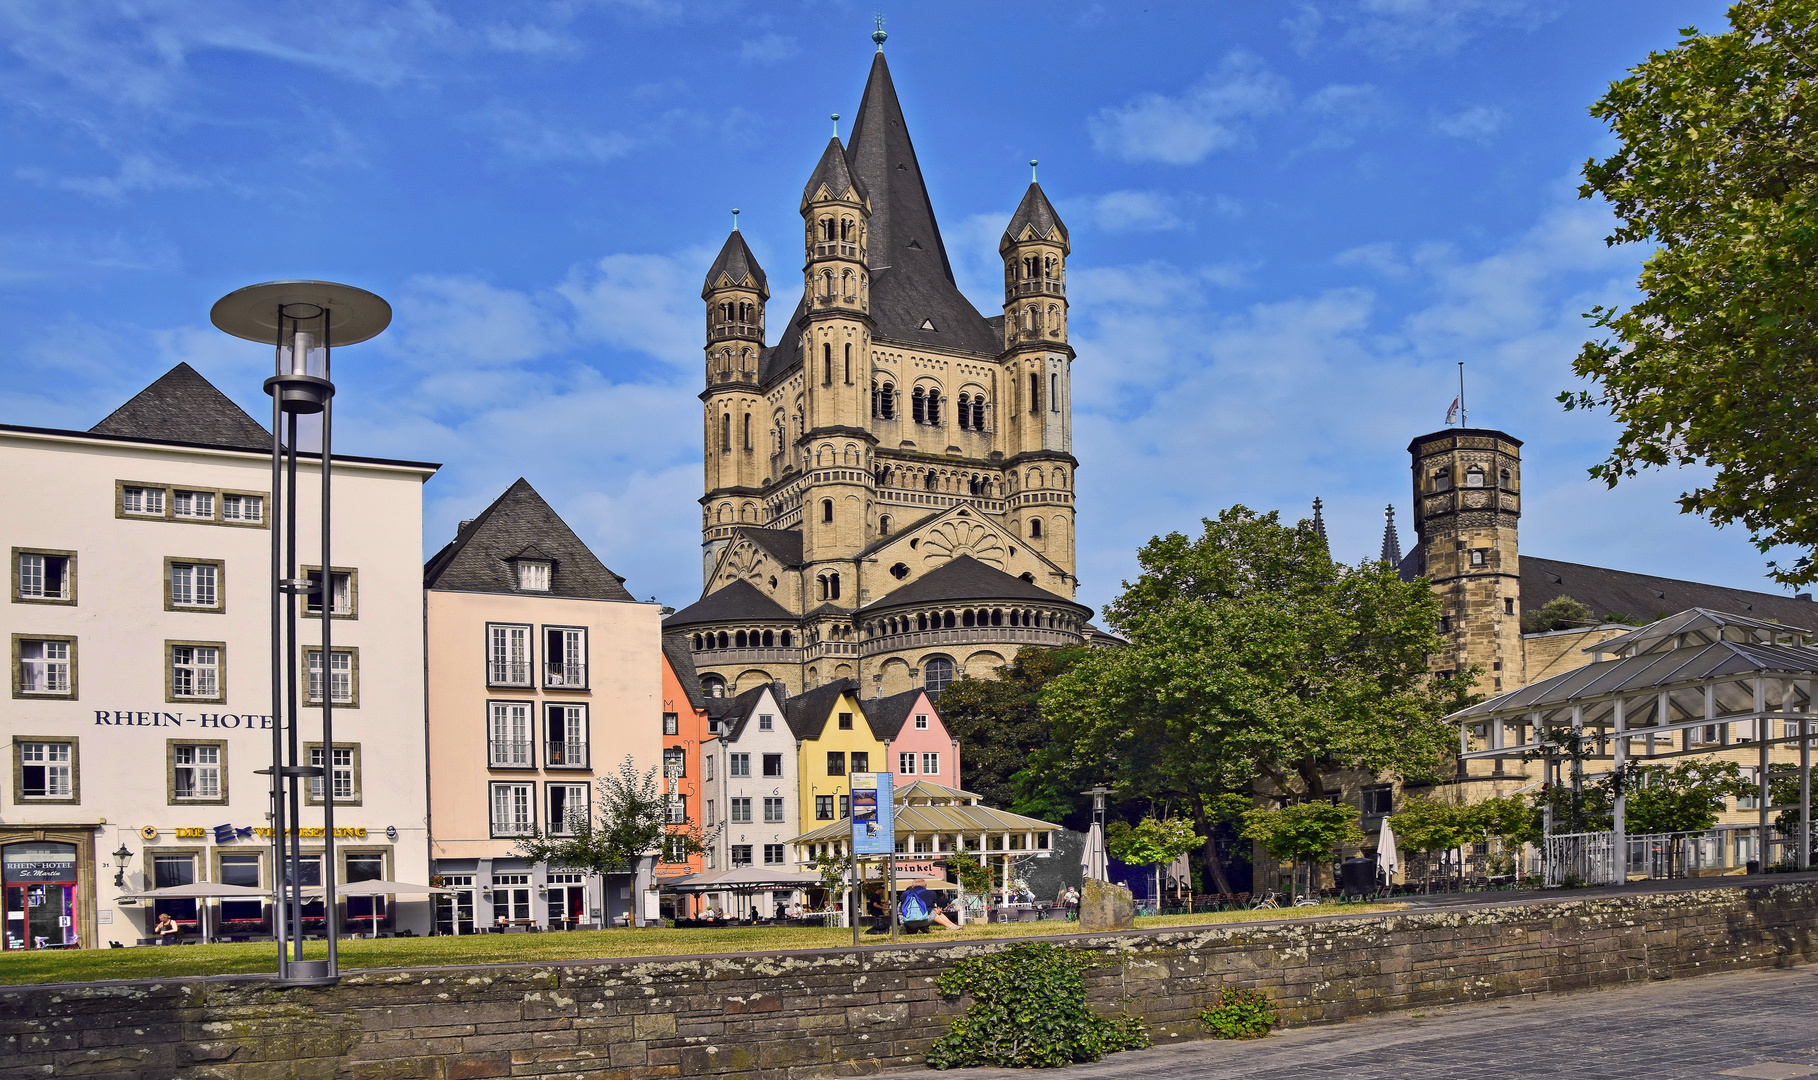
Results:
[873, 820]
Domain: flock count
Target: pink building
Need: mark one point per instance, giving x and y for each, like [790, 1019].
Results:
[916, 741]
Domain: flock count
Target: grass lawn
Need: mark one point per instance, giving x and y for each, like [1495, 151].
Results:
[85, 965]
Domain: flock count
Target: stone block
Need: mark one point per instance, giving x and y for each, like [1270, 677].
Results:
[476, 1066]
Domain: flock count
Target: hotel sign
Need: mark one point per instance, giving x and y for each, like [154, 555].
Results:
[159, 718]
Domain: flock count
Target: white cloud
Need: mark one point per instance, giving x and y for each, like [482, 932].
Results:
[462, 321]
[1136, 211]
[137, 172]
[647, 303]
[527, 138]
[1342, 112]
[531, 40]
[1208, 116]
[1390, 29]
[769, 49]
[1476, 123]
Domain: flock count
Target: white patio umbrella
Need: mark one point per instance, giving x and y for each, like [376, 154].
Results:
[379, 888]
[1093, 861]
[200, 891]
[1387, 860]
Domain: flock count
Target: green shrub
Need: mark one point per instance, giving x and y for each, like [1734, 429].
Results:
[1240, 1014]
[1028, 1011]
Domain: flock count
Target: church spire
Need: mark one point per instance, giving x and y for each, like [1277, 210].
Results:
[1391, 543]
[1319, 520]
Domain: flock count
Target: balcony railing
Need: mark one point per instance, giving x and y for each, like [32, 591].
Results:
[839, 248]
[565, 754]
[509, 753]
[1041, 288]
[737, 329]
[508, 673]
[512, 828]
[569, 675]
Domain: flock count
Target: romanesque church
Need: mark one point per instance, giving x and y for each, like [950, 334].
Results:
[889, 488]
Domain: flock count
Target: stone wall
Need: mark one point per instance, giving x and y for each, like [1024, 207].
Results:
[844, 1013]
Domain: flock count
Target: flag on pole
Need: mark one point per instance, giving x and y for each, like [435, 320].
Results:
[1452, 413]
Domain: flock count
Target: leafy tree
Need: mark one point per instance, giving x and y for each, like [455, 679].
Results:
[1151, 842]
[1559, 613]
[1685, 797]
[834, 871]
[1303, 832]
[999, 723]
[1717, 167]
[975, 874]
[1429, 826]
[630, 821]
[1253, 655]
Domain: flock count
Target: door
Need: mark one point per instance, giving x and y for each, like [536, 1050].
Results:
[39, 896]
[454, 913]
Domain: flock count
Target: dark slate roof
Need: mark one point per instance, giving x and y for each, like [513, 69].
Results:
[681, 661]
[739, 265]
[887, 715]
[1034, 211]
[911, 279]
[1643, 596]
[740, 600]
[807, 712]
[738, 710]
[476, 559]
[182, 406]
[967, 579]
[834, 172]
[784, 545]
[1391, 542]
[787, 353]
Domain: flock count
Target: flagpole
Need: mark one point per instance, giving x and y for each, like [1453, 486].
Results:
[1463, 413]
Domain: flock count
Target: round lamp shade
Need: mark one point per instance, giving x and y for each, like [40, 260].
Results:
[252, 313]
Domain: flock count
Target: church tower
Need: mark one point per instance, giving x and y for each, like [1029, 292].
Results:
[735, 292]
[1467, 504]
[889, 481]
[1038, 364]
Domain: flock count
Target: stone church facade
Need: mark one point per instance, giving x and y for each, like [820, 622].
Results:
[889, 488]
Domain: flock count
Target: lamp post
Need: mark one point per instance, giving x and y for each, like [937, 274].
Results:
[121, 857]
[303, 321]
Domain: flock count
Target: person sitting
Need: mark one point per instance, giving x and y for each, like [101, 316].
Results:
[918, 911]
[167, 931]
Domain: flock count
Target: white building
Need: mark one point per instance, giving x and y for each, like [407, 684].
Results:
[139, 621]
[748, 784]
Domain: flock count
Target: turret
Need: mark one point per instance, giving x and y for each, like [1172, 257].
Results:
[733, 438]
[1037, 409]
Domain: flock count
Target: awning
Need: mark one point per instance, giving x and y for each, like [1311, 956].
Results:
[742, 878]
[198, 891]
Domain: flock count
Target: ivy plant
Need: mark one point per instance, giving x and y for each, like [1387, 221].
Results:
[1028, 1011]
[1237, 1013]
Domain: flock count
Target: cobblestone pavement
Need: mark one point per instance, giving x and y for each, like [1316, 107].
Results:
[1761, 1024]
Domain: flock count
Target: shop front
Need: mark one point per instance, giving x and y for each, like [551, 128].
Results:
[46, 890]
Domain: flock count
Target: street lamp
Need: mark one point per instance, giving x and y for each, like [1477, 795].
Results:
[303, 321]
[121, 857]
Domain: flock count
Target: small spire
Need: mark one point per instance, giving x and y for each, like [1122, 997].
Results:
[1391, 543]
[735, 219]
[878, 35]
[836, 125]
[1319, 520]
[1032, 164]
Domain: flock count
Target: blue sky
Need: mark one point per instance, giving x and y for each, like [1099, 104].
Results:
[1289, 220]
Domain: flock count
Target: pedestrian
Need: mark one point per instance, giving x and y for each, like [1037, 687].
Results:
[167, 930]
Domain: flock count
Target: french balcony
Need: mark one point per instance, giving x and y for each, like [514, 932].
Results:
[510, 754]
[507, 673]
[512, 828]
[565, 754]
[565, 676]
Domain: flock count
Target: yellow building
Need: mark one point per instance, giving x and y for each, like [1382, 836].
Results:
[889, 487]
[833, 739]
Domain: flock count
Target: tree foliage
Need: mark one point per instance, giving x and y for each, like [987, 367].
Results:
[1151, 842]
[999, 723]
[1303, 831]
[1559, 613]
[1717, 166]
[1685, 797]
[1253, 655]
[630, 813]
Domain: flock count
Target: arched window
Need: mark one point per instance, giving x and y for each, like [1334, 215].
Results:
[1442, 480]
[833, 586]
[1054, 392]
[725, 642]
[947, 620]
[738, 639]
[1474, 477]
[826, 365]
[930, 482]
[822, 582]
[997, 616]
[1505, 478]
[1035, 528]
[713, 686]
[826, 510]
[845, 228]
[786, 639]
[747, 431]
[966, 618]
[827, 229]
[1053, 317]
[827, 283]
[883, 525]
[937, 672]
[848, 363]
[918, 405]
[921, 620]
[888, 401]
[934, 406]
[697, 643]
[978, 412]
[1035, 393]
[726, 433]
[964, 412]
[769, 638]
[1030, 579]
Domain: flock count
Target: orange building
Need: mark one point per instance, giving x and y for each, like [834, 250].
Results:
[685, 728]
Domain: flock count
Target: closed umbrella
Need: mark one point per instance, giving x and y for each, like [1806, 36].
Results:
[1387, 860]
[1093, 861]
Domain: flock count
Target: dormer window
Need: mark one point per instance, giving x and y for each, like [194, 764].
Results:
[1442, 480]
[533, 575]
[1473, 477]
